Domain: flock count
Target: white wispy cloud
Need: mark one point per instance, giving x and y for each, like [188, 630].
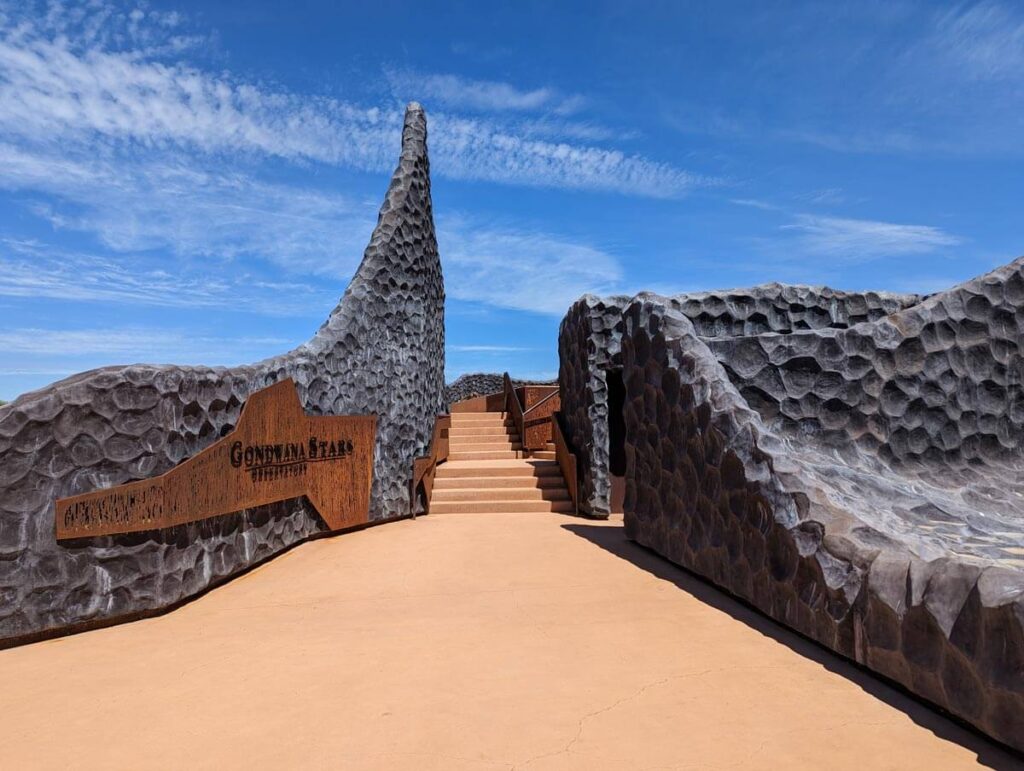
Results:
[857, 239]
[755, 203]
[953, 86]
[486, 348]
[575, 128]
[986, 38]
[51, 87]
[72, 88]
[108, 130]
[829, 196]
[474, 149]
[195, 213]
[136, 343]
[843, 239]
[895, 78]
[483, 95]
[133, 204]
[32, 269]
[522, 271]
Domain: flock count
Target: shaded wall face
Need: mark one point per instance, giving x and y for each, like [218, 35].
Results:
[102, 429]
[783, 309]
[381, 352]
[616, 422]
[588, 345]
[387, 334]
[941, 385]
[705, 488]
[688, 494]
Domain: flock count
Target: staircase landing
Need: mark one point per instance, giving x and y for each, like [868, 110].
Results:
[489, 471]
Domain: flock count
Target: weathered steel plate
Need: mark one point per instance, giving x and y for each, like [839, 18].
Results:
[276, 452]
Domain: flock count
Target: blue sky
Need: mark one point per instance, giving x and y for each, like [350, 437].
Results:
[195, 182]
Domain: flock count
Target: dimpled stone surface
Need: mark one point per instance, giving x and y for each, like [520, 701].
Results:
[589, 339]
[482, 384]
[381, 351]
[853, 472]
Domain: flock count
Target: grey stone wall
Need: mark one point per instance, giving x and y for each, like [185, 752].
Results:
[589, 339]
[785, 308]
[481, 384]
[381, 351]
[887, 529]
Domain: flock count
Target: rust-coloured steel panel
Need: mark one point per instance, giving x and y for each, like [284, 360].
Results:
[276, 452]
[566, 460]
[424, 468]
[541, 403]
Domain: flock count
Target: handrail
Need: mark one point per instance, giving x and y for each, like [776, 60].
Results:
[425, 466]
[566, 460]
[537, 419]
[513, 406]
[535, 406]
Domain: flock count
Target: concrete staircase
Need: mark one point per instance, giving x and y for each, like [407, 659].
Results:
[547, 452]
[486, 471]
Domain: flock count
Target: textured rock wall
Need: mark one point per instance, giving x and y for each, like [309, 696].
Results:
[482, 384]
[940, 378]
[785, 308]
[589, 336]
[798, 517]
[589, 340]
[381, 351]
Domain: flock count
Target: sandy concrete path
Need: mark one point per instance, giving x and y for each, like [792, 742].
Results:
[497, 641]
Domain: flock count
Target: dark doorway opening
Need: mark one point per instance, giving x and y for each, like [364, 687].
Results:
[616, 423]
[616, 440]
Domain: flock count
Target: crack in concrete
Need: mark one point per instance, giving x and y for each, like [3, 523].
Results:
[567, 749]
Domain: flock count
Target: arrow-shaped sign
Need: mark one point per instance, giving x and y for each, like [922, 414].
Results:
[276, 452]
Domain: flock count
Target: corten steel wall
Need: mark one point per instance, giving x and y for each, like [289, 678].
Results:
[589, 340]
[735, 495]
[380, 352]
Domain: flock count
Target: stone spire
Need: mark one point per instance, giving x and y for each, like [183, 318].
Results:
[388, 328]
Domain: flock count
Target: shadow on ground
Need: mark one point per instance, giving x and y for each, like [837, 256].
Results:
[613, 539]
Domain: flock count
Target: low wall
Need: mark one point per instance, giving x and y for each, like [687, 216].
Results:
[713, 487]
[589, 347]
[539, 404]
[589, 340]
[482, 384]
[381, 352]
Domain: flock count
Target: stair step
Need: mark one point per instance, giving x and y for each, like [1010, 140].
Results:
[503, 439]
[479, 418]
[501, 444]
[483, 507]
[460, 431]
[484, 494]
[497, 468]
[543, 454]
[492, 482]
[481, 455]
[485, 427]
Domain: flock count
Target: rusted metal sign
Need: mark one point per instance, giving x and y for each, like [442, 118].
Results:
[276, 452]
